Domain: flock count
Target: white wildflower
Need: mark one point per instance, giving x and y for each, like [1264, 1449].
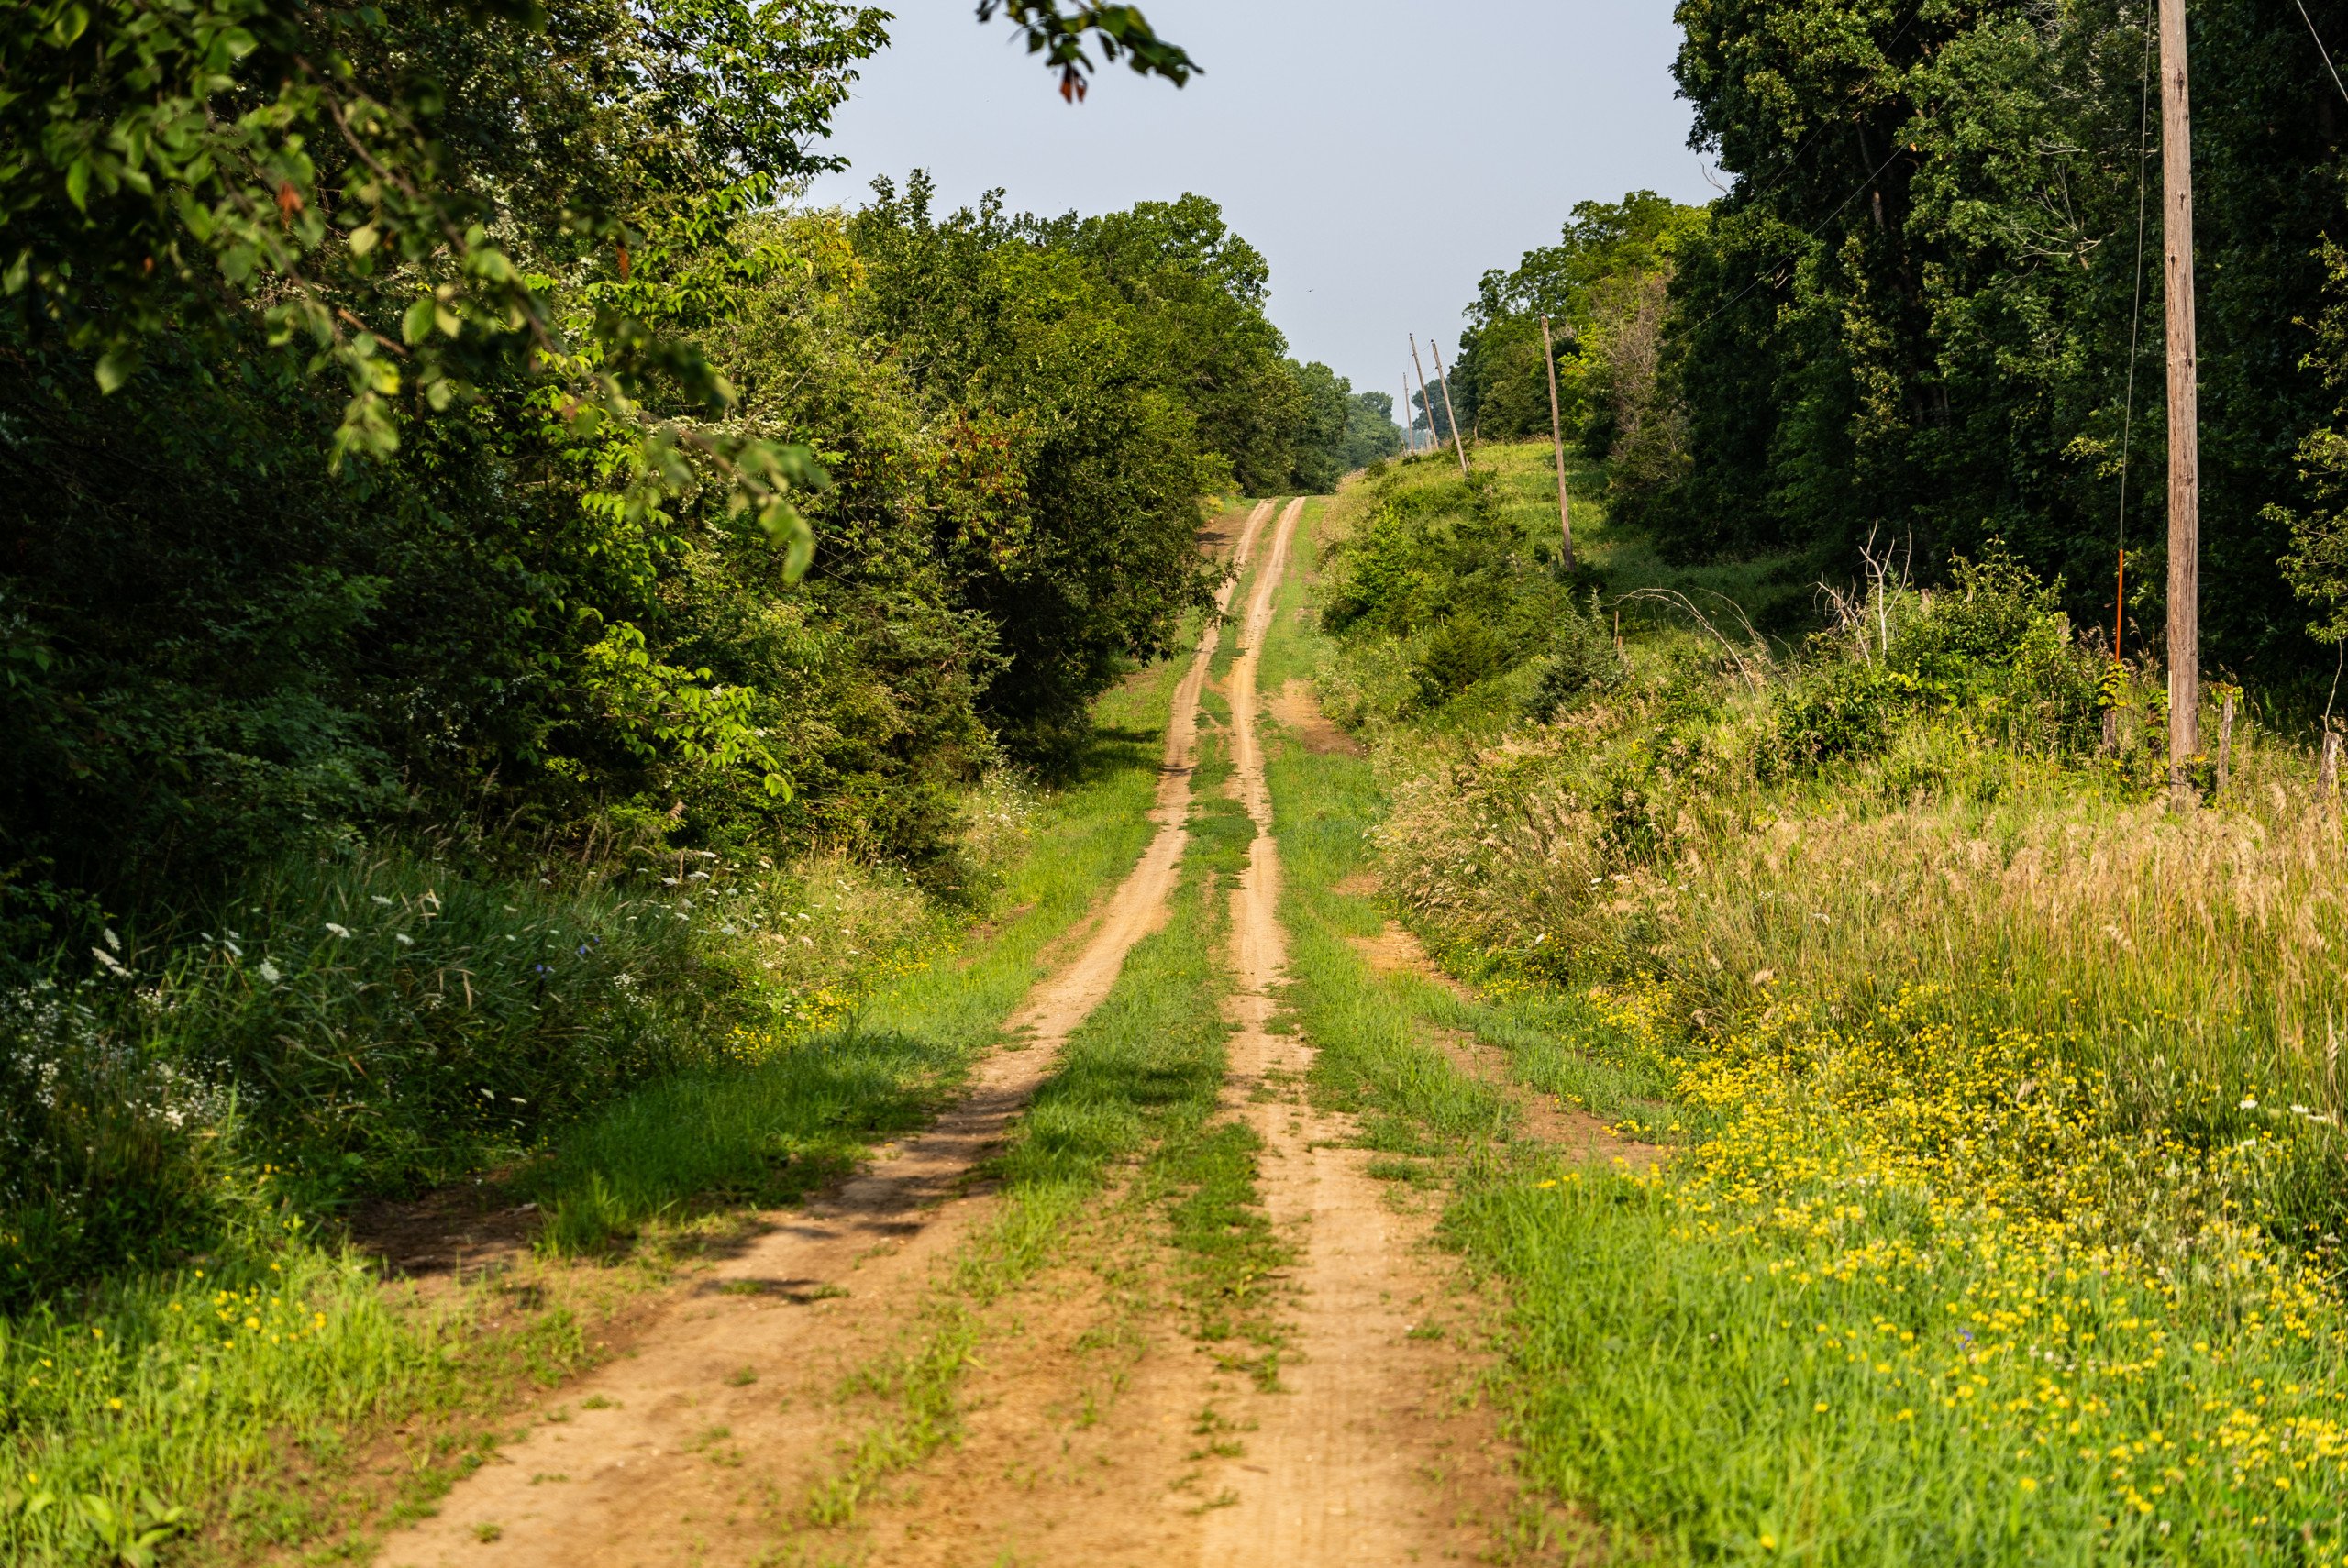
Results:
[337, 930]
[269, 973]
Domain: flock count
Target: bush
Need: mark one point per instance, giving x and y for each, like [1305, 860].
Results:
[1842, 712]
[1458, 653]
[1583, 660]
[367, 1025]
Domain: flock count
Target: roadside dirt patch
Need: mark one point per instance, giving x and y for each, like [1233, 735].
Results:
[1571, 1129]
[1397, 951]
[1296, 706]
[452, 1235]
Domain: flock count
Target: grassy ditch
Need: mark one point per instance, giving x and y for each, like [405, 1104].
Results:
[2003, 1219]
[158, 1401]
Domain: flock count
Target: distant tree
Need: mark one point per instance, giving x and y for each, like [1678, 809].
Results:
[1371, 431]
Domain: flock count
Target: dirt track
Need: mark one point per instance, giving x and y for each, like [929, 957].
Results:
[1095, 1431]
[1366, 1459]
[685, 1451]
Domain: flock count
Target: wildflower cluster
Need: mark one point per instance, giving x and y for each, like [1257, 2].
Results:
[1952, 1229]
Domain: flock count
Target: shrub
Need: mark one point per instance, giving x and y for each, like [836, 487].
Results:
[370, 1023]
[1842, 713]
[1582, 659]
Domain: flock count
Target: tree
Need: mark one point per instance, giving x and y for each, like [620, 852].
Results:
[1919, 306]
[328, 173]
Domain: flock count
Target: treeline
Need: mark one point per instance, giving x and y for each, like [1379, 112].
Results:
[512, 617]
[1922, 311]
[465, 533]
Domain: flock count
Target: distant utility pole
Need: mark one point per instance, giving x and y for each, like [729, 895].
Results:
[1558, 441]
[1426, 399]
[1410, 420]
[1443, 379]
[2184, 402]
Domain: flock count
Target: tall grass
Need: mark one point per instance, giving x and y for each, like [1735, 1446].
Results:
[2005, 1221]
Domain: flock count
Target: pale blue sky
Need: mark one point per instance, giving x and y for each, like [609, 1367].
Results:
[1381, 154]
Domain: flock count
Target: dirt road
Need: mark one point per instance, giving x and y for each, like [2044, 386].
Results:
[703, 1447]
[1365, 1459]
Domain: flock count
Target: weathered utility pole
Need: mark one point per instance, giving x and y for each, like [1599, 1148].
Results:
[1558, 441]
[1426, 398]
[1410, 424]
[1443, 379]
[2184, 402]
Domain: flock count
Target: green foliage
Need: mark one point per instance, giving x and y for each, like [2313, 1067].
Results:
[1592, 276]
[1438, 567]
[1105, 373]
[1583, 660]
[1919, 305]
[368, 1024]
[1844, 714]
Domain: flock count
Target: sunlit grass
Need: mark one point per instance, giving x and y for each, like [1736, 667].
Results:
[135, 1408]
[2004, 1218]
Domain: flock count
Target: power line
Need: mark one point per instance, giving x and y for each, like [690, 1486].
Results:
[2320, 50]
[1762, 276]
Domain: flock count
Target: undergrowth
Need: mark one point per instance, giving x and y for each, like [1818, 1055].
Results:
[712, 1050]
[2003, 1220]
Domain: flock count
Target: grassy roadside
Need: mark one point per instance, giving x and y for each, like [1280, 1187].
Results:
[2000, 1227]
[227, 1399]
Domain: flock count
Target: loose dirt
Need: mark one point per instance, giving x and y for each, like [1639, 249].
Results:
[698, 1447]
[1295, 706]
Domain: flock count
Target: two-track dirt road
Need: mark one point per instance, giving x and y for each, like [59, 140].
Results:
[701, 1447]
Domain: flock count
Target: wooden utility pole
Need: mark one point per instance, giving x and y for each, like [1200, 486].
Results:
[1426, 398]
[1443, 379]
[2184, 402]
[1558, 442]
[1410, 426]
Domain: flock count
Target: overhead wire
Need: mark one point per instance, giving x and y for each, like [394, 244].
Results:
[2320, 47]
[1811, 233]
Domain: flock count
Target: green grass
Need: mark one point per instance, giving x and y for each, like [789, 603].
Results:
[189, 1388]
[1993, 1234]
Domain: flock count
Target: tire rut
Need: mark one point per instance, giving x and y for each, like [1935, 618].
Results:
[698, 1447]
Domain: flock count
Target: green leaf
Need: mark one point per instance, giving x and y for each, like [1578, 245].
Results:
[77, 183]
[786, 527]
[416, 325]
[117, 365]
